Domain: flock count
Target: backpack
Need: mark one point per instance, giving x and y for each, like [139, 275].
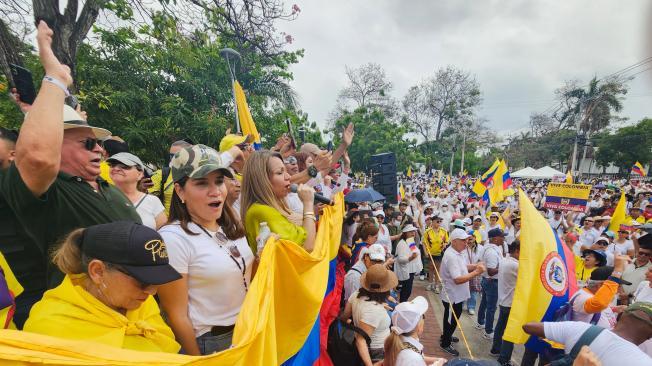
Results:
[587, 337]
[565, 312]
[341, 343]
[165, 173]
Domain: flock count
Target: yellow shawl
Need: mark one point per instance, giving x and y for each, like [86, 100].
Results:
[69, 311]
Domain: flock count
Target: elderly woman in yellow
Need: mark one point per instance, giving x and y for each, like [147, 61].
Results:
[112, 271]
[265, 185]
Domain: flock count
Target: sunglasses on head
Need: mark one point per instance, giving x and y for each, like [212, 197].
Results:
[89, 143]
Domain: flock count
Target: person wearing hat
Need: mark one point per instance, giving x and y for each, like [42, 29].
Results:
[593, 302]
[558, 222]
[162, 184]
[403, 209]
[366, 307]
[53, 186]
[402, 346]
[588, 235]
[112, 272]
[635, 215]
[384, 237]
[111, 145]
[366, 234]
[639, 272]
[491, 257]
[408, 260]
[479, 232]
[435, 239]
[373, 254]
[126, 170]
[622, 244]
[455, 278]
[617, 346]
[590, 260]
[207, 245]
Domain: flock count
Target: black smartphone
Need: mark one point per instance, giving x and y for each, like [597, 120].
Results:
[329, 147]
[72, 101]
[290, 134]
[24, 83]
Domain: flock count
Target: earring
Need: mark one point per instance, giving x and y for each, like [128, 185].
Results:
[183, 202]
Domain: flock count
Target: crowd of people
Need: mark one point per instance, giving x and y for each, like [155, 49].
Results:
[101, 250]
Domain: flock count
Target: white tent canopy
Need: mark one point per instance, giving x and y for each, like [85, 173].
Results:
[546, 173]
[523, 173]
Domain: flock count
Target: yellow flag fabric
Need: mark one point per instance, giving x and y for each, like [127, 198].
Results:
[619, 215]
[409, 172]
[401, 191]
[247, 124]
[15, 288]
[69, 311]
[104, 172]
[277, 315]
[569, 178]
[496, 191]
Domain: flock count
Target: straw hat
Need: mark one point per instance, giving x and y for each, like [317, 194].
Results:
[378, 279]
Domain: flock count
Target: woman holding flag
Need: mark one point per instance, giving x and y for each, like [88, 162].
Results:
[408, 261]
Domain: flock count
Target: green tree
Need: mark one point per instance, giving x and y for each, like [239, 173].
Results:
[626, 146]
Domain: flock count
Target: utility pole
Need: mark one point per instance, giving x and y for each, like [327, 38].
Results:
[577, 131]
[463, 148]
[450, 168]
[232, 55]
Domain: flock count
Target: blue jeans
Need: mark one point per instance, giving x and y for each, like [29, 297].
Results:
[470, 303]
[499, 345]
[488, 304]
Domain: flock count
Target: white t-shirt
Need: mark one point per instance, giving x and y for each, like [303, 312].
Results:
[491, 257]
[373, 314]
[610, 349]
[607, 317]
[294, 203]
[622, 248]
[453, 265]
[383, 238]
[507, 274]
[352, 278]
[215, 283]
[643, 292]
[148, 209]
[408, 357]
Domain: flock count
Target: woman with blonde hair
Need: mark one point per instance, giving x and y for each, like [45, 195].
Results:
[402, 346]
[112, 272]
[265, 186]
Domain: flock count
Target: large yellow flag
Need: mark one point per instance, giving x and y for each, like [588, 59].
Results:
[409, 172]
[619, 214]
[247, 124]
[496, 189]
[569, 178]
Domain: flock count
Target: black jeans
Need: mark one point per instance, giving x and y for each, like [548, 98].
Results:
[499, 345]
[449, 322]
[406, 288]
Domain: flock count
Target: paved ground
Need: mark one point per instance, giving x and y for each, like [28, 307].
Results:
[479, 346]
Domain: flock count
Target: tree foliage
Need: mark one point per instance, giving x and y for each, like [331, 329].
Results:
[626, 146]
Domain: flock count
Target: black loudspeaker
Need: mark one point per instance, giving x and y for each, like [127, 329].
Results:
[383, 174]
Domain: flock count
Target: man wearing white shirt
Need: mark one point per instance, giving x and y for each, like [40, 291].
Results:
[455, 278]
[588, 236]
[507, 274]
[491, 256]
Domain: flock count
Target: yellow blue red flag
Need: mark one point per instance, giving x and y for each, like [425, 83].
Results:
[483, 185]
[546, 276]
[638, 169]
[247, 124]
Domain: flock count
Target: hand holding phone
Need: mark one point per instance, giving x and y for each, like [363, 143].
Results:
[25, 91]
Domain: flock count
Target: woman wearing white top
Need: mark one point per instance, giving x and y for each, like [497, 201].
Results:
[126, 171]
[402, 347]
[206, 244]
[644, 290]
[408, 261]
[623, 245]
[384, 238]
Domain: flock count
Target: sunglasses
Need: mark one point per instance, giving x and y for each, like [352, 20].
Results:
[291, 160]
[602, 243]
[649, 255]
[244, 146]
[121, 166]
[89, 143]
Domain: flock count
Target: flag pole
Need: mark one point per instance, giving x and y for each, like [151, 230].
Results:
[229, 53]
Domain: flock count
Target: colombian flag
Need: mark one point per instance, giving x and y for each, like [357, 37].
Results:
[638, 169]
[482, 186]
[507, 178]
[244, 116]
[284, 318]
[546, 276]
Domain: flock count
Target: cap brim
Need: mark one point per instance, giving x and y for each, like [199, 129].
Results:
[123, 161]
[620, 281]
[209, 168]
[153, 275]
[99, 132]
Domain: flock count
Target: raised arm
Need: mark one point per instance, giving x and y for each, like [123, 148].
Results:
[38, 149]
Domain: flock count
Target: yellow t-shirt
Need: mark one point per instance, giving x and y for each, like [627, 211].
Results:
[434, 241]
[104, 172]
[629, 219]
[582, 273]
[168, 189]
[15, 288]
[277, 223]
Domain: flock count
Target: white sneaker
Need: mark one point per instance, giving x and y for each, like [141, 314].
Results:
[479, 326]
[471, 312]
[486, 335]
[422, 277]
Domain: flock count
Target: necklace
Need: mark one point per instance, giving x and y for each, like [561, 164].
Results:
[233, 252]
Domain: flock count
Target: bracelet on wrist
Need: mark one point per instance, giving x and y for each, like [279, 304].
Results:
[58, 83]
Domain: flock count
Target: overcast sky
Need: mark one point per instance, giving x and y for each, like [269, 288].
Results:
[520, 51]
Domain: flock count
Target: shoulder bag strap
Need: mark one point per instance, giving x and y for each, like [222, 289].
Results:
[587, 337]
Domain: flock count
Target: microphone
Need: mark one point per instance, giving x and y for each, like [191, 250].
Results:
[318, 197]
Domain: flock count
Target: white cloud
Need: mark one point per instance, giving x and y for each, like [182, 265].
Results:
[520, 51]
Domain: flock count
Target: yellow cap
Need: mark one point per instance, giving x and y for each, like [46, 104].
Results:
[231, 140]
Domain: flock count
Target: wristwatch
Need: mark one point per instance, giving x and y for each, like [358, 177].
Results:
[312, 171]
[616, 273]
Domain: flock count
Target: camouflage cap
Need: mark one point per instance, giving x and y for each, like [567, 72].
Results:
[197, 161]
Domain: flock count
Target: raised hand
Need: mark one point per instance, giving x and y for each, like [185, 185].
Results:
[347, 135]
[49, 61]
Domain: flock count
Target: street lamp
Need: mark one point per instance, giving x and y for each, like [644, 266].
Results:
[232, 56]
